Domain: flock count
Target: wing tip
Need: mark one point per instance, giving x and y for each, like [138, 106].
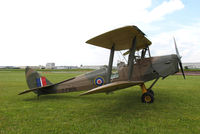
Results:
[82, 94]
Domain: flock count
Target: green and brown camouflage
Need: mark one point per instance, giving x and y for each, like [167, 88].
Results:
[145, 69]
[79, 83]
[139, 69]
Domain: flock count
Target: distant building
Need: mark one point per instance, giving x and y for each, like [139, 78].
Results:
[50, 65]
[191, 65]
[95, 67]
[22, 67]
[33, 67]
[66, 67]
[92, 67]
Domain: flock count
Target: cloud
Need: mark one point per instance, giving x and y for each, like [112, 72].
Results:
[164, 9]
[187, 38]
[40, 31]
[159, 12]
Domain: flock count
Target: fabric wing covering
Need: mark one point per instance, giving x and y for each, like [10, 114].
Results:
[112, 87]
[122, 38]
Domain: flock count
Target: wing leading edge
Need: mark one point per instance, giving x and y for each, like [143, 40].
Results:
[113, 87]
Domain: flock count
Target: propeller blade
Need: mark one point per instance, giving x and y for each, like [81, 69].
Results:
[180, 64]
[179, 59]
[177, 53]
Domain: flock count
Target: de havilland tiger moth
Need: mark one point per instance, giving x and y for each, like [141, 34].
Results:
[139, 69]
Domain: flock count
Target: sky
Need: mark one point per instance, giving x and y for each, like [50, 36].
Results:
[35, 32]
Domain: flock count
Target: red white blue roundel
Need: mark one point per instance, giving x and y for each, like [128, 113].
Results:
[99, 81]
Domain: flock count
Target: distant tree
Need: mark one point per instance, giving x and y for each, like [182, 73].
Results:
[186, 67]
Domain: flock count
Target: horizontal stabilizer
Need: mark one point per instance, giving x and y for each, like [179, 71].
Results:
[36, 89]
[46, 89]
[27, 91]
[112, 87]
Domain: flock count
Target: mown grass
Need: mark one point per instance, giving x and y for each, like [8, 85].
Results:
[176, 108]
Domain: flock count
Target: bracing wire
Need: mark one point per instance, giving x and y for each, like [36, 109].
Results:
[124, 57]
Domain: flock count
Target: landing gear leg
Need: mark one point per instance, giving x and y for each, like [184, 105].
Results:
[150, 91]
[146, 97]
[150, 88]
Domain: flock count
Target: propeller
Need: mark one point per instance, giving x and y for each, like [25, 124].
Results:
[179, 58]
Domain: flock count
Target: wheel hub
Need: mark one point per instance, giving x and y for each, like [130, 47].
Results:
[147, 98]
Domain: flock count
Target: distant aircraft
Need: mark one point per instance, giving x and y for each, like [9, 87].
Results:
[140, 68]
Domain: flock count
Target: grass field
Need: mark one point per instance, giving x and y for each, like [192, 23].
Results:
[176, 108]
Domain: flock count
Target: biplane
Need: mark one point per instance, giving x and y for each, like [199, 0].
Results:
[139, 69]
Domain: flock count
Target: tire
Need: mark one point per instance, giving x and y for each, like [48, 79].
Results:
[147, 98]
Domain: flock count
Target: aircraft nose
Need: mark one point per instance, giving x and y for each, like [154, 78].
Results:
[175, 61]
[174, 57]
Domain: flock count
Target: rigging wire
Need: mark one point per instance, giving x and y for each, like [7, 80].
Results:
[124, 57]
[119, 57]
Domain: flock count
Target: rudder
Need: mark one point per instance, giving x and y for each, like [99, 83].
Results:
[34, 79]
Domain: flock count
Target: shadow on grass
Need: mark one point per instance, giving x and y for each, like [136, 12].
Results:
[117, 104]
[134, 97]
[65, 97]
[130, 103]
[49, 98]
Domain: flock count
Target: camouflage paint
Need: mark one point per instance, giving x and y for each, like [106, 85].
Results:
[145, 69]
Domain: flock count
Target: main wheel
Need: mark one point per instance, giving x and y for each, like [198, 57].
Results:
[147, 98]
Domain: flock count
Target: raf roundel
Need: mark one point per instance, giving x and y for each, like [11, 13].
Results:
[99, 81]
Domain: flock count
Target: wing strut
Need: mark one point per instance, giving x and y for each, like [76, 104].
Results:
[131, 58]
[110, 63]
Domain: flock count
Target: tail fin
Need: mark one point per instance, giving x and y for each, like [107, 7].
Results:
[34, 79]
[39, 84]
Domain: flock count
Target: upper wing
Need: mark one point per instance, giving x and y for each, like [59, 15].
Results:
[122, 38]
[112, 87]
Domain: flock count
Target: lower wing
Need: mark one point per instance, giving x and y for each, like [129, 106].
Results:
[113, 87]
